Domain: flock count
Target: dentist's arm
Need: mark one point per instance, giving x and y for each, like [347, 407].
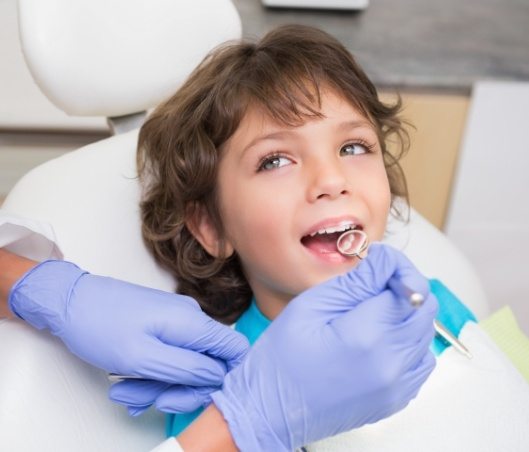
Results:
[209, 432]
[12, 268]
[124, 328]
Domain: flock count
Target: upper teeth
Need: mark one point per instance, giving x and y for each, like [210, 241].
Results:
[344, 226]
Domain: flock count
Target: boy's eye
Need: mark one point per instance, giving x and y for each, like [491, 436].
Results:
[354, 149]
[273, 162]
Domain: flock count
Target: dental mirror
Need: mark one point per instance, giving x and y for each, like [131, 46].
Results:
[352, 243]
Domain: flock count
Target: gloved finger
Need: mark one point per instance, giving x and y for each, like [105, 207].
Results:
[383, 262]
[137, 393]
[410, 385]
[368, 321]
[184, 399]
[411, 355]
[177, 365]
[415, 378]
[205, 335]
[136, 411]
[344, 292]
[408, 279]
[419, 323]
[406, 323]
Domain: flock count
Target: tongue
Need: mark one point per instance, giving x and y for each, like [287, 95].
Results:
[322, 243]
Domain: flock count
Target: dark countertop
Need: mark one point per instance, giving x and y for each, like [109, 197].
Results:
[439, 45]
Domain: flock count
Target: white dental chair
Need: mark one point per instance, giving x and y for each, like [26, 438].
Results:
[87, 203]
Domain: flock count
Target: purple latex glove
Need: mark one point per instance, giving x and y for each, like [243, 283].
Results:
[342, 354]
[139, 395]
[130, 330]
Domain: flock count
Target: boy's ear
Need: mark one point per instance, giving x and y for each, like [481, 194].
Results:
[200, 225]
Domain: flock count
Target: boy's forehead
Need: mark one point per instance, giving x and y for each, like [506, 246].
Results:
[258, 118]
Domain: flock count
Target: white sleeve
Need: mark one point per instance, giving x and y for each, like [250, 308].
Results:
[28, 238]
[169, 445]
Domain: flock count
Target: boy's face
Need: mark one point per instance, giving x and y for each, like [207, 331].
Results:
[280, 185]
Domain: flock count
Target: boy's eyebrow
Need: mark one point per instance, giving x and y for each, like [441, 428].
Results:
[355, 124]
[269, 136]
[343, 126]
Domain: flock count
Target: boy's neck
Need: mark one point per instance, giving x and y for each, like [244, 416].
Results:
[270, 306]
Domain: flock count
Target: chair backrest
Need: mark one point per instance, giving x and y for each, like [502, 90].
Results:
[113, 58]
[51, 401]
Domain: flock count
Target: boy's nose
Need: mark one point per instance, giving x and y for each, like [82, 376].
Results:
[328, 181]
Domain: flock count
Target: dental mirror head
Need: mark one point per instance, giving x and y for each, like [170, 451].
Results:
[352, 243]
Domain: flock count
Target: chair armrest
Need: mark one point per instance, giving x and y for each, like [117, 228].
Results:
[52, 401]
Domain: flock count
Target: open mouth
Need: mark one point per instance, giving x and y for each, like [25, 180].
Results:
[324, 240]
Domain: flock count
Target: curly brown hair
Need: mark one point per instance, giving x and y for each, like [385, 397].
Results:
[181, 143]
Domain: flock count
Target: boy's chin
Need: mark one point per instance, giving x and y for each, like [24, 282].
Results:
[332, 273]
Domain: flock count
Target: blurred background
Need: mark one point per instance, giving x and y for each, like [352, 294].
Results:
[462, 70]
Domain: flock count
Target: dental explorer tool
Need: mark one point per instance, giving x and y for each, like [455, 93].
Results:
[416, 300]
[442, 331]
[354, 242]
[115, 378]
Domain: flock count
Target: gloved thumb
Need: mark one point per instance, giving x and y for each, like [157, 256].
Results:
[139, 395]
[367, 280]
[375, 273]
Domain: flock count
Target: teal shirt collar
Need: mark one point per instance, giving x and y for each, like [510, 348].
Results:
[252, 323]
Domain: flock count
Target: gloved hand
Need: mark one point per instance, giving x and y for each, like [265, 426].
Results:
[130, 330]
[342, 354]
[139, 395]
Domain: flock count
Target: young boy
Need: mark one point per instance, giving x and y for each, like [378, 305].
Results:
[254, 168]
[257, 164]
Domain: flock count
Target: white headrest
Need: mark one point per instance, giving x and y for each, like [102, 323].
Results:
[111, 58]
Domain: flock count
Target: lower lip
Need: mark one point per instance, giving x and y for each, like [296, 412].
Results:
[330, 256]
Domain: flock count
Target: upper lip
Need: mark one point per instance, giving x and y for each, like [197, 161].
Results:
[331, 225]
